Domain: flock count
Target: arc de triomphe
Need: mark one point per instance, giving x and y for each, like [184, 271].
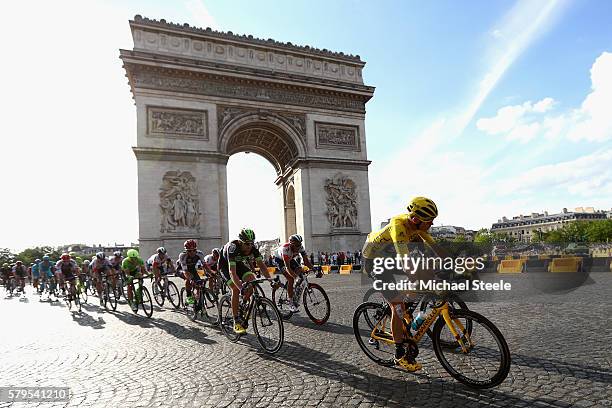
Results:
[203, 95]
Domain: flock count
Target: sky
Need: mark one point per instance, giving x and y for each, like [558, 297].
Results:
[491, 108]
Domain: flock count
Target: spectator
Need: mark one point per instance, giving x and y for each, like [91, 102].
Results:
[270, 261]
[334, 258]
[341, 258]
[312, 258]
[349, 257]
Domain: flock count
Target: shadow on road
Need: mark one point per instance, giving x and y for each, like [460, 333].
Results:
[405, 388]
[177, 330]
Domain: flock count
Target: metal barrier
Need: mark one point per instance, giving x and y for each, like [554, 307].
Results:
[511, 266]
[346, 269]
[569, 264]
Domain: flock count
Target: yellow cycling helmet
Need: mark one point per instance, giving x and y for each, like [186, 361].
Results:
[422, 208]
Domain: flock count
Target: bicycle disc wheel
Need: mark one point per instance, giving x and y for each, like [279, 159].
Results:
[282, 302]
[146, 302]
[368, 317]
[226, 318]
[316, 303]
[486, 362]
[268, 325]
[173, 295]
[158, 293]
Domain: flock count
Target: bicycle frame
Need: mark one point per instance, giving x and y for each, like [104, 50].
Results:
[441, 310]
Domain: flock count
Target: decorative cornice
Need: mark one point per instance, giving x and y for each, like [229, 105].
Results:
[332, 163]
[223, 68]
[174, 80]
[144, 21]
[185, 155]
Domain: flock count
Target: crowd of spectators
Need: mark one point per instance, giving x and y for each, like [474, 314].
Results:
[333, 258]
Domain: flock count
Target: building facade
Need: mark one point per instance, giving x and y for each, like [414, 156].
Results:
[525, 227]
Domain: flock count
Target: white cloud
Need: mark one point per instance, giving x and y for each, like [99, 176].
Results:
[589, 176]
[199, 15]
[591, 122]
[513, 120]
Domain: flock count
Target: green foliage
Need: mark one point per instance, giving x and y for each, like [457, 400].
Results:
[581, 232]
[484, 236]
[6, 256]
[27, 256]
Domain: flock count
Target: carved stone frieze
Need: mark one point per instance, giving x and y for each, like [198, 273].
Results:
[226, 114]
[341, 202]
[179, 203]
[250, 90]
[166, 122]
[333, 136]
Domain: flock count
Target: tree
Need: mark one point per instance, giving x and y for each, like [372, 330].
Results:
[27, 256]
[6, 256]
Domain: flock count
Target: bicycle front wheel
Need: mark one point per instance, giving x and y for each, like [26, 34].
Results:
[316, 303]
[484, 359]
[146, 302]
[158, 293]
[374, 319]
[173, 295]
[83, 294]
[281, 301]
[268, 325]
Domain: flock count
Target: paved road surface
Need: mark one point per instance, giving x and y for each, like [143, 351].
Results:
[561, 357]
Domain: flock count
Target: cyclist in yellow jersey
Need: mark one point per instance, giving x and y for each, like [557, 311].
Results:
[394, 239]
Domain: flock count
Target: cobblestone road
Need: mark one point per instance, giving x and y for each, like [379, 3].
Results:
[561, 357]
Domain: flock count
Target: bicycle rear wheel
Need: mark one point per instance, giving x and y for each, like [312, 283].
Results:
[146, 302]
[316, 303]
[268, 325]
[173, 295]
[226, 319]
[486, 361]
[281, 301]
[368, 317]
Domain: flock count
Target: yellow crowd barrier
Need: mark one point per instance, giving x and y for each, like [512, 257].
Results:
[271, 270]
[509, 257]
[346, 269]
[543, 257]
[569, 264]
[201, 273]
[511, 266]
[326, 269]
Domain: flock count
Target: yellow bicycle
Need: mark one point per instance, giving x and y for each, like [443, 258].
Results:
[469, 347]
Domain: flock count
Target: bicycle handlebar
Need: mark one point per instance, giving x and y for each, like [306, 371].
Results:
[245, 285]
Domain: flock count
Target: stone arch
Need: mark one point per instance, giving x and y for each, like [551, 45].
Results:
[265, 134]
[202, 96]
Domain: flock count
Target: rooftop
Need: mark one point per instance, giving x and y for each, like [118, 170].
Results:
[138, 19]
